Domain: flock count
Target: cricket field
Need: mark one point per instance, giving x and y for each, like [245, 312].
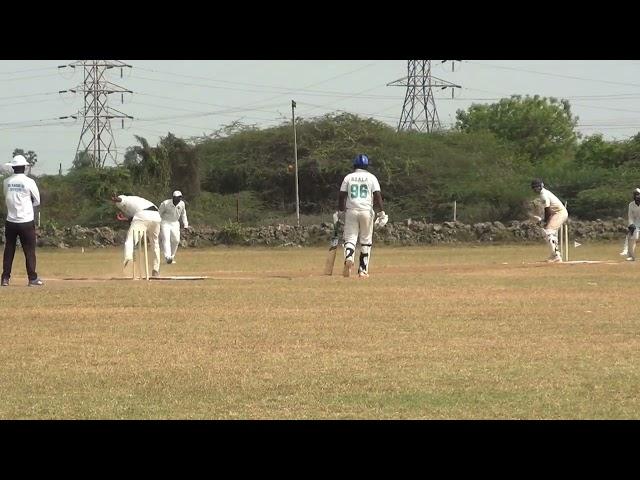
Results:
[443, 332]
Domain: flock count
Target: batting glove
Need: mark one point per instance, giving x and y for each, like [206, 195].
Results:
[632, 228]
[382, 219]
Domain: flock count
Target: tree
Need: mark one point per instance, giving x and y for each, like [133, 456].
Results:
[147, 164]
[538, 127]
[82, 159]
[595, 151]
[184, 164]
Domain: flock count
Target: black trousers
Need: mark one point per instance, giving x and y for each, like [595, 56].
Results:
[27, 233]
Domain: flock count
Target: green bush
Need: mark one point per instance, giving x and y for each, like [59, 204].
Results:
[600, 202]
[231, 233]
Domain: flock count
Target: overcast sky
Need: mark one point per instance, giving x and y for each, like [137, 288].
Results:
[194, 97]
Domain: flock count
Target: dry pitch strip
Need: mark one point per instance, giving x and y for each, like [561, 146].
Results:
[141, 260]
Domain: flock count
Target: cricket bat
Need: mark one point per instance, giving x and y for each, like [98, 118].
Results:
[333, 250]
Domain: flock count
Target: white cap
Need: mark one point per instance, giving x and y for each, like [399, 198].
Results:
[177, 193]
[18, 161]
[637, 190]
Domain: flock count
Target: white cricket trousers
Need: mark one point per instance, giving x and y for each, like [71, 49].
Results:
[149, 221]
[554, 223]
[170, 235]
[358, 225]
[632, 240]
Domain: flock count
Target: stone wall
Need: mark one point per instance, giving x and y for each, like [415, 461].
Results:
[408, 232]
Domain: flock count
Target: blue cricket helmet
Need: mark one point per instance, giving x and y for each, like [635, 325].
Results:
[361, 160]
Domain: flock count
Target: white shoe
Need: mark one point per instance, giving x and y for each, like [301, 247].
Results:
[173, 260]
[624, 253]
[362, 274]
[631, 259]
[555, 259]
[346, 271]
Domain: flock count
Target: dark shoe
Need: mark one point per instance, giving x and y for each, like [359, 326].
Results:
[169, 260]
[5, 282]
[155, 273]
[36, 283]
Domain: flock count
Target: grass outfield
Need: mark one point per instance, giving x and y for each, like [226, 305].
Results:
[475, 332]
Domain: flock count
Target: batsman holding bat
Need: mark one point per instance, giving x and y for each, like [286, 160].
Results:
[359, 194]
[555, 215]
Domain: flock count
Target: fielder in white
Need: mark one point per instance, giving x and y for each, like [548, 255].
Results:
[555, 214]
[144, 216]
[172, 211]
[634, 225]
[359, 193]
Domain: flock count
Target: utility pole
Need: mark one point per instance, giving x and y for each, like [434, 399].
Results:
[419, 109]
[96, 138]
[295, 156]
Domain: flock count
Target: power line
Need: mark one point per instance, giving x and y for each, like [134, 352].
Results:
[572, 77]
[228, 107]
[284, 91]
[27, 70]
[12, 97]
[27, 78]
[18, 127]
[28, 102]
[209, 79]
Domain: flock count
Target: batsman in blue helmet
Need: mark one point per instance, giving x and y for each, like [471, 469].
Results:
[359, 198]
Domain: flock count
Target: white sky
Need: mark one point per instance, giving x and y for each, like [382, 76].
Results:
[195, 97]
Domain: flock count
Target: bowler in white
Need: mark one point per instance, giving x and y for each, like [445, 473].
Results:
[144, 216]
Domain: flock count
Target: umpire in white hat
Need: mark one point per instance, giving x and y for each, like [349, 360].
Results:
[21, 195]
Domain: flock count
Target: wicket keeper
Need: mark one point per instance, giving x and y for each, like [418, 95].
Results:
[634, 225]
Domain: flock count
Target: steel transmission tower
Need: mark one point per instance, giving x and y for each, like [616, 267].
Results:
[96, 138]
[419, 109]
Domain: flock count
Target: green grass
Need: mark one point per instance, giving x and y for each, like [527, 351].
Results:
[464, 332]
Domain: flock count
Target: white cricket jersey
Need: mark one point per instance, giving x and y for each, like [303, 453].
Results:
[550, 200]
[360, 186]
[174, 213]
[131, 204]
[21, 194]
[634, 214]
